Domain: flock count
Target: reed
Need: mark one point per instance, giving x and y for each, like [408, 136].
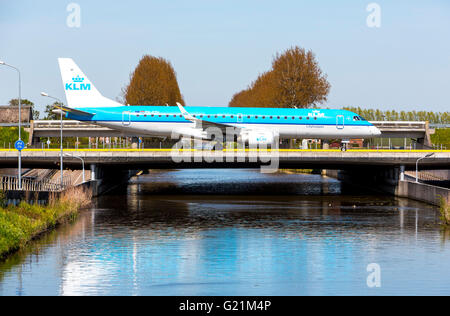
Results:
[445, 211]
[25, 222]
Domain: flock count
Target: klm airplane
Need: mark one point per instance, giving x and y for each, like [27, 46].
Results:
[254, 126]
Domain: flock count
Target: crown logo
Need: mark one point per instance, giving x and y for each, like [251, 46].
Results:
[78, 79]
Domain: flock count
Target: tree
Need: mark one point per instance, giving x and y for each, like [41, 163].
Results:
[295, 80]
[15, 102]
[153, 82]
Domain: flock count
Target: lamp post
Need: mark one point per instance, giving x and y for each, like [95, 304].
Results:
[61, 135]
[19, 172]
[82, 163]
[417, 165]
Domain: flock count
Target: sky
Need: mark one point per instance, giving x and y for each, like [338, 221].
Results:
[218, 47]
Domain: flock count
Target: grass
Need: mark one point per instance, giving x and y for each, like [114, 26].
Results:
[23, 223]
[445, 211]
[441, 136]
[9, 135]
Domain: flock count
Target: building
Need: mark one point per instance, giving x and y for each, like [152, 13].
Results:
[9, 115]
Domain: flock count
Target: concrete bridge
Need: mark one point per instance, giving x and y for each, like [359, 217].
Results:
[383, 169]
[177, 159]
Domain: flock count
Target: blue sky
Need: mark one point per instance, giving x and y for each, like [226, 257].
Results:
[219, 46]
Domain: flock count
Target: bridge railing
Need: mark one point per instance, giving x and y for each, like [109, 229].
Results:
[9, 183]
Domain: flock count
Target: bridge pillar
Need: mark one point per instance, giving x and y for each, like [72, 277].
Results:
[425, 143]
[93, 173]
[402, 173]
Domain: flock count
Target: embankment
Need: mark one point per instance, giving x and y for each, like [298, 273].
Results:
[25, 222]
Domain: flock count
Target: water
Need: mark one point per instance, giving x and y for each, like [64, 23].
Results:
[237, 232]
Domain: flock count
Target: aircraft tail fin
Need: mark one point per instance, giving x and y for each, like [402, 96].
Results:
[80, 91]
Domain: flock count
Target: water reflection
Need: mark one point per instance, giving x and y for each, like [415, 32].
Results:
[203, 232]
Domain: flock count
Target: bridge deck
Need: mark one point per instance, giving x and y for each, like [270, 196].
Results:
[166, 158]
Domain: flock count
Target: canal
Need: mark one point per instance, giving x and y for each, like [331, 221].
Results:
[237, 232]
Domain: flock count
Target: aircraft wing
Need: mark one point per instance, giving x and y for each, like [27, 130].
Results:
[204, 124]
[75, 111]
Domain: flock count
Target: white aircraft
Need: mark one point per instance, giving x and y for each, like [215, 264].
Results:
[253, 125]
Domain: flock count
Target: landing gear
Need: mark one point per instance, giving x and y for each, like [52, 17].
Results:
[344, 145]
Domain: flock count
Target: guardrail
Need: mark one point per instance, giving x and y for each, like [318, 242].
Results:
[8, 183]
[400, 125]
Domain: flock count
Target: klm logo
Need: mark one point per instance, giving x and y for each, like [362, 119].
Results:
[78, 85]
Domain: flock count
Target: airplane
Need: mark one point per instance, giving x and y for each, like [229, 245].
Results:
[254, 126]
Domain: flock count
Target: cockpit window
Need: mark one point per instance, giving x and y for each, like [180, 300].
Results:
[356, 118]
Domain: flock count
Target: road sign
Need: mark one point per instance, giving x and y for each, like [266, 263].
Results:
[19, 145]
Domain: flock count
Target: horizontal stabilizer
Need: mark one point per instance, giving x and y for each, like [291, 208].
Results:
[74, 111]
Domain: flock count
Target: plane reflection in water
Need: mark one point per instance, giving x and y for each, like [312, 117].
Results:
[150, 241]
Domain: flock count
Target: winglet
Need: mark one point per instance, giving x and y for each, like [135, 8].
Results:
[185, 113]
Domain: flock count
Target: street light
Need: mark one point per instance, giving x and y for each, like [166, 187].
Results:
[19, 172]
[417, 165]
[82, 163]
[62, 152]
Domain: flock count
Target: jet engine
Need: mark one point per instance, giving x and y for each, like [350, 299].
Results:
[256, 138]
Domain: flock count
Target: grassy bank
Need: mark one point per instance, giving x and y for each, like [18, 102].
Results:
[445, 211]
[22, 223]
